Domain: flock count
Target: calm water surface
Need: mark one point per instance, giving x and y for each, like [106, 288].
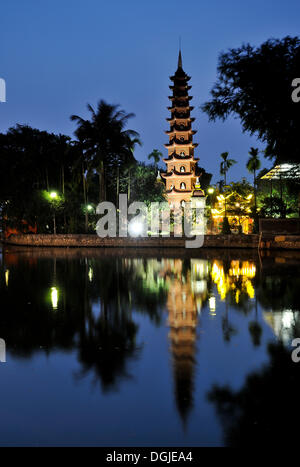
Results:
[148, 348]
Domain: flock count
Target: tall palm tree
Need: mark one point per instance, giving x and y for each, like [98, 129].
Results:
[224, 167]
[156, 155]
[105, 141]
[253, 165]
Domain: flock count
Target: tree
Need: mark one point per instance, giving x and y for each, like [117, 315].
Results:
[105, 141]
[253, 165]
[254, 84]
[224, 167]
[156, 155]
[143, 184]
[31, 161]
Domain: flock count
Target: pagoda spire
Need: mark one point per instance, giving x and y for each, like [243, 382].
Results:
[179, 59]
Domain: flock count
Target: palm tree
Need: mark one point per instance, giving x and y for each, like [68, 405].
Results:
[224, 167]
[253, 165]
[156, 155]
[105, 141]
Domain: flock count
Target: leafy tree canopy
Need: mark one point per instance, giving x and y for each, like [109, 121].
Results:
[255, 84]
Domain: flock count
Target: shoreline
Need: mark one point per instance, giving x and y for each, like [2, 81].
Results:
[233, 241]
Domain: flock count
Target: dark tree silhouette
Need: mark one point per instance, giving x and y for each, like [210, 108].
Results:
[105, 141]
[255, 84]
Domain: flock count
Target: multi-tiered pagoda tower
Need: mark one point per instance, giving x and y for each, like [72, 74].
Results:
[181, 176]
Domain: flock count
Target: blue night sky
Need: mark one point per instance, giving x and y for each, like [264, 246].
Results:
[56, 56]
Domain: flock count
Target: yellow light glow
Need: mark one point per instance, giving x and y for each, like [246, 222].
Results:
[238, 279]
[90, 274]
[54, 297]
[53, 195]
[250, 289]
[6, 277]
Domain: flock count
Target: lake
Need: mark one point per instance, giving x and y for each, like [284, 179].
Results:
[110, 347]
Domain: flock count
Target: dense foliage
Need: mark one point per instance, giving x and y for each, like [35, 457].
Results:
[255, 85]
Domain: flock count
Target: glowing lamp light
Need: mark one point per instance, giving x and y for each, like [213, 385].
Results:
[53, 195]
[89, 207]
[136, 228]
[210, 191]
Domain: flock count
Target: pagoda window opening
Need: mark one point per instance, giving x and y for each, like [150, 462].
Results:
[182, 203]
[181, 138]
[182, 154]
[182, 186]
[182, 169]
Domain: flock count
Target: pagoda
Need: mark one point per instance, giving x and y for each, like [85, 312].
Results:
[181, 177]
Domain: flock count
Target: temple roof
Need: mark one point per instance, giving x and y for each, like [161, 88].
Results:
[180, 86]
[176, 130]
[288, 171]
[178, 191]
[198, 193]
[180, 98]
[180, 75]
[184, 106]
[178, 157]
[178, 142]
[180, 116]
[175, 173]
[180, 127]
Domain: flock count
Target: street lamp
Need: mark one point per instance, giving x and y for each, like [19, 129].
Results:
[210, 190]
[53, 197]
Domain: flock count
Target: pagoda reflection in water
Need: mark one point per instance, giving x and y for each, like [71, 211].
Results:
[187, 292]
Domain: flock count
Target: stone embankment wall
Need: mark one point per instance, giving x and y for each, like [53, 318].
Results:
[266, 241]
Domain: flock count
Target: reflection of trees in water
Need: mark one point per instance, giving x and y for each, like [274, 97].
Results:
[105, 347]
[91, 309]
[278, 288]
[49, 303]
[277, 292]
[265, 411]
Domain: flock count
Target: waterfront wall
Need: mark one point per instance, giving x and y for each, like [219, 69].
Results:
[267, 241]
[280, 226]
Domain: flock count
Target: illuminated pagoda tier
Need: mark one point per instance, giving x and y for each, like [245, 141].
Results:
[182, 170]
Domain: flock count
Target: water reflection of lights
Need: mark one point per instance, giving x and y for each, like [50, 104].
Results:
[54, 297]
[283, 323]
[212, 305]
[91, 274]
[247, 269]
[6, 277]
[238, 278]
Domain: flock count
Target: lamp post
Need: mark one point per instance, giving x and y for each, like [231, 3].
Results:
[211, 198]
[53, 196]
